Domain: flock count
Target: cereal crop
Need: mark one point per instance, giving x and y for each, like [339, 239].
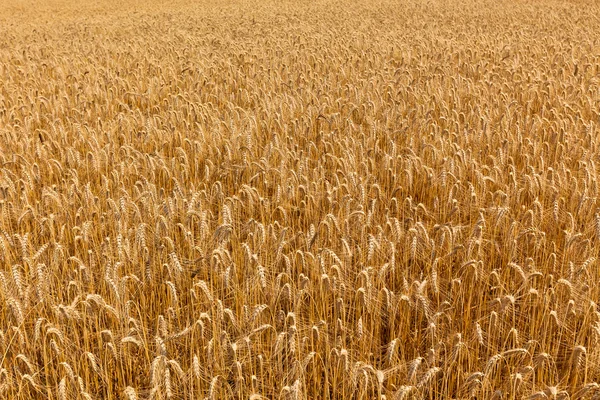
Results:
[388, 199]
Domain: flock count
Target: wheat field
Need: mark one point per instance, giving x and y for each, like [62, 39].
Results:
[390, 199]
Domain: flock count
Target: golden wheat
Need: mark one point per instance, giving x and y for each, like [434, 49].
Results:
[299, 200]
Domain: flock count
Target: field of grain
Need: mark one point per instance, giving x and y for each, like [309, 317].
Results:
[395, 199]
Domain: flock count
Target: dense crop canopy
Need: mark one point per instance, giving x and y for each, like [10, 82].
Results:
[299, 200]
